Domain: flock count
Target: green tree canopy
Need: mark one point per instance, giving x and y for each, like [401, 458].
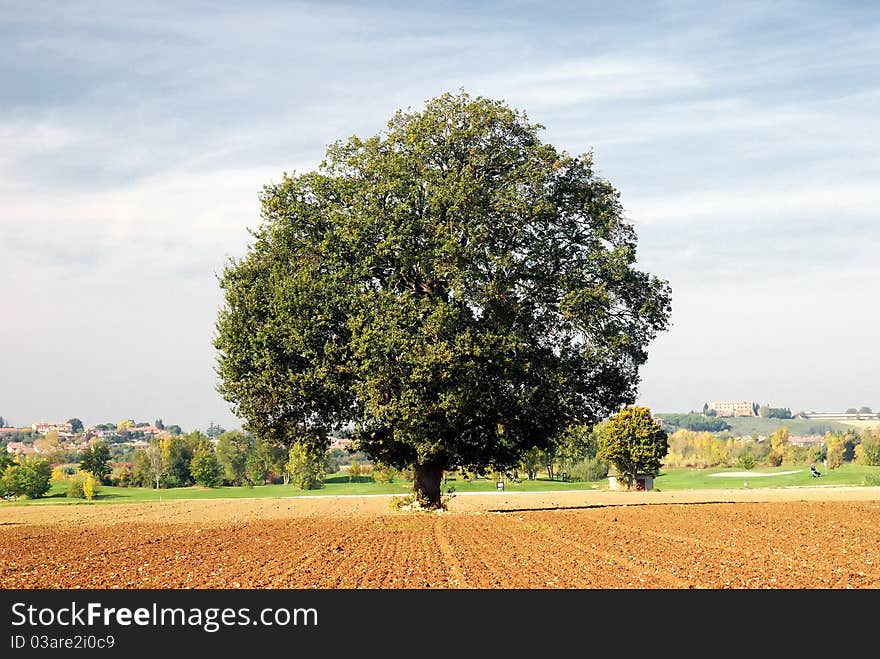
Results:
[454, 288]
[204, 467]
[28, 477]
[95, 459]
[232, 450]
[76, 425]
[306, 467]
[634, 443]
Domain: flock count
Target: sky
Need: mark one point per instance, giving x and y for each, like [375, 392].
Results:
[135, 138]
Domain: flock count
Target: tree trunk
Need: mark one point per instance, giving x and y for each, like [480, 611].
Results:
[426, 484]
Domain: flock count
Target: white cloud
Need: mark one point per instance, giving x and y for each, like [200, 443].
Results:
[178, 219]
[567, 82]
[136, 140]
[757, 204]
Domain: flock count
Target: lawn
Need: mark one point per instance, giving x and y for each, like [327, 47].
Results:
[338, 485]
[713, 479]
[755, 425]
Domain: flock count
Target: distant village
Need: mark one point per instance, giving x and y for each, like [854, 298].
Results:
[43, 437]
[47, 437]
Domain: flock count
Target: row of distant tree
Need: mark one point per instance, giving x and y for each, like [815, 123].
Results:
[693, 449]
[630, 441]
[861, 410]
[236, 458]
[239, 458]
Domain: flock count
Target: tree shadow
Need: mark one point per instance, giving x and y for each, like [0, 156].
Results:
[589, 506]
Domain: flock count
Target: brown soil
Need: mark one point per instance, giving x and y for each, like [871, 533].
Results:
[747, 539]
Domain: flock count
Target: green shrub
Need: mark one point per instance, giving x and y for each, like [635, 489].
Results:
[205, 469]
[412, 502]
[746, 461]
[123, 478]
[306, 469]
[872, 479]
[354, 471]
[588, 470]
[383, 473]
[75, 488]
[29, 478]
[400, 503]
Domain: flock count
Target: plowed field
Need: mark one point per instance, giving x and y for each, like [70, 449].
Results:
[722, 539]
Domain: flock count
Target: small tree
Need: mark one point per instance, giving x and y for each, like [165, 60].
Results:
[746, 461]
[58, 475]
[214, 430]
[577, 442]
[75, 488]
[779, 443]
[835, 447]
[530, 462]
[305, 467]
[205, 469]
[95, 460]
[90, 485]
[383, 473]
[233, 447]
[157, 463]
[634, 443]
[83, 486]
[123, 479]
[354, 471]
[28, 478]
[176, 456]
[867, 452]
[255, 467]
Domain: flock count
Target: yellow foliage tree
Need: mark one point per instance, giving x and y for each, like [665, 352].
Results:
[90, 485]
[835, 445]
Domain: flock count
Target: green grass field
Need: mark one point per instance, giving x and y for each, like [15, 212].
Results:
[745, 425]
[710, 479]
[337, 485]
[755, 425]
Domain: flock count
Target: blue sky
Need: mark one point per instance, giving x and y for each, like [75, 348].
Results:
[134, 140]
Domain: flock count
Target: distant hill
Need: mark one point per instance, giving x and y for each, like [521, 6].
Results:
[755, 425]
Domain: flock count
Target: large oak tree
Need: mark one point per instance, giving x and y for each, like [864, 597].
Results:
[453, 289]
